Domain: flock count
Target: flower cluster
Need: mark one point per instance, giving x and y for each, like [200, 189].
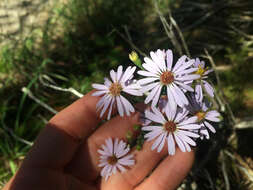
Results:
[176, 95]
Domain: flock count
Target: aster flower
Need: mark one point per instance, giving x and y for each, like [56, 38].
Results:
[175, 128]
[113, 157]
[203, 72]
[111, 92]
[159, 73]
[201, 110]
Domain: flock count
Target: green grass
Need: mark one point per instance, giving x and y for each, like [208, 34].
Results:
[80, 43]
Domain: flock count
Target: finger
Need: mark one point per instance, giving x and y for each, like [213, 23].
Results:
[80, 118]
[169, 173]
[145, 162]
[87, 153]
[59, 140]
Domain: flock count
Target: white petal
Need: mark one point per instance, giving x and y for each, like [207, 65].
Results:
[119, 72]
[186, 87]
[151, 94]
[187, 71]
[180, 61]
[127, 105]
[171, 145]
[133, 92]
[189, 126]
[171, 99]
[106, 105]
[209, 89]
[99, 93]
[170, 112]
[151, 135]
[209, 126]
[109, 145]
[147, 74]
[113, 76]
[190, 134]
[159, 149]
[100, 87]
[157, 142]
[185, 138]
[120, 106]
[179, 143]
[187, 77]
[190, 120]
[147, 80]
[158, 113]
[149, 87]
[110, 109]
[169, 59]
[156, 97]
[154, 117]
[184, 66]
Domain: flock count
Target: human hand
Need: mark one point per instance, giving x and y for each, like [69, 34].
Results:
[65, 157]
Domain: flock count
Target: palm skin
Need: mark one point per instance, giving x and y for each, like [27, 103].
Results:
[64, 156]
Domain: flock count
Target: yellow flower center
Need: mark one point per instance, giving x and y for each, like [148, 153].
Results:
[201, 70]
[112, 160]
[115, 89]
[167, 77]
[170, 126]
[200, 115]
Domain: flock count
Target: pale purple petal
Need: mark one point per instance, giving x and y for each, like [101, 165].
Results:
[110, 109]
[186, 138]
[100, 87]
[212, 118]
[154, 117]
[169, 59]
[184, 66]
[147, 74]
[158, 113]
[149, 86]
[171, 145]
[133, 92]
[189, 126]
[106, 105]
[171, 99]
[190, 134]
[119, 72]
[209, 89]
[188, 77]
[150, 136]
[213, 113]
[156, 97]
[127, 105]
[190, 120]
[198, 93]
[158, 141]
[170, 111]
[107, 82]
[180, 62]
[159, 149]
[147, 80]
[179, 143]
[109, 144]
[186, 87]
[156, 60]
[99, 93]
[209, 126]
[120, 106]
[187, 71]
[152, 94]
[113, 76]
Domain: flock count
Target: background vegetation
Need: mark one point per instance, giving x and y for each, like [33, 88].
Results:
[82, 40]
